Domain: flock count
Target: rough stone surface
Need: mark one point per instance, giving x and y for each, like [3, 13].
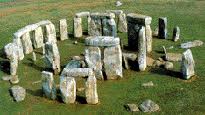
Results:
[77, 58]
[82, 14]
[128, 58]
[17, 42]
[101, 41]
[48, 85]
[187, 65]
[118, 3]
[173, 56]
[18, 93]
[148, 84]
[176, 34]
[158, 63]
[37, 37]
[148, 35]
[132, 107]
[77, 72]
[194, 43]
[13, 64]
[14, 79]
[6, 78]
[150, 61]
[73, 64]
[26, 43]
[139, 19]
[51, 33]
[24, 30]
[95, 26]
[113, 62]
[63, 29]
[91, 90]
[142, 61]
[68, 89]
[78, 30]
[162, 34]
[149, 106]
[34, 56]
[109, 27]
[122, 23]
[52, 56]
[93, 60]
[168, 65]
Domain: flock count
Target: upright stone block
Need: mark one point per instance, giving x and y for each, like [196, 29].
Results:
[176, 34]
[188, 64]
[17, 42]
[48, 85]
[122, 23]
[148, 35]
[109, 27]
[63, 29]
[162, 28]
[142, 50]
[91, 90]
[95, 27]
[78, 31]
[93, 60]
[9, 49]
[52, 56]
[13, 64]
[68, 89]
[26, 43]
[37, 37]
[34, 56]
[113, 62]
[51, 33]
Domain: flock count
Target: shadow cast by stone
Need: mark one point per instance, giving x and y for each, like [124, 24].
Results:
[33, 65]
[81, 99]
[37, 93]
[162, 71]
[5, 66]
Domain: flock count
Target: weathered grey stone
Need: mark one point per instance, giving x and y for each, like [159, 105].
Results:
[37, 37]
[118, 3]
[101, 41]
[128, 58]
[44, 22]
[150, 61]
[26, 43]
[132, 107]
[51, 33]
[109, 27]
[187, 65]
[102, 15]
[113, 62]
[148, 34]
[63, 29]
[17, 42]
[139, 19]
[116, 12]
[173, 57]
[158, 63]
[10, 49]
[34, 56]
[148, 84]
[122, 23]
[93, 60]
[7, 77]
[18, 93]
[82, 14]
[25, 30]
[149, 106]
[68, 89]
[48, 85]
[78, 30]
[176, 34]
[95, 27]
[91, 90]
[77, 72]
[168, 65]
[194, 43]
[73, 64]
[162, 34]
[77, 58]
[155, 32]
[14, 79]
[52, 56]
[13, 64]
[142, 50]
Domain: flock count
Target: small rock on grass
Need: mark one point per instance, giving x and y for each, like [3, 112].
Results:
[14, 79]
[148, 84]
[149, 106]
[18, 93]
[6, 78]
[131, 107]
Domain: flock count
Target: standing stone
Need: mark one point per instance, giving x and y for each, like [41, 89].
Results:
[188, 64]
[68, 89]
[162, 28]
[148, 34]
[48, 85]
[37, 37]
[176, 34]
[51, 33]
[18, 93]
[63, 29]
[78, 31]
[91, 90]
[52, 56]
[9, 49]
[109, 27]
[122, 23]
[142, 50]
[17, 42]
[93, 60]
[113, 62]
[27, 44]
[34, 56]
[13, 64]
[95, 26]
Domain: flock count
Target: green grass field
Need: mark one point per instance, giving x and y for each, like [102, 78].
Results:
[174, 95]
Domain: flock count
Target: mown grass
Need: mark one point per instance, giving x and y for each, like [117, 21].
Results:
[174, 95]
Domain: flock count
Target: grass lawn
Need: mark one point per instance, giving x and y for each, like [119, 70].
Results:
[174, 95]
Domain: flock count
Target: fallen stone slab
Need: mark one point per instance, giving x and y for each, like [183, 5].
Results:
[18, 93]
[168, 65]
[102, 41]
[77, 72]
[191, 44]
[173, 57]
[149, 106]
[131, 107]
